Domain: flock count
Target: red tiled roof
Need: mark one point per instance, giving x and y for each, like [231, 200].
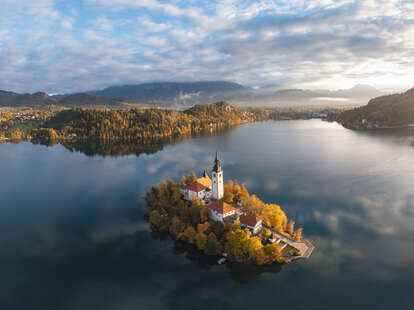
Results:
[221, 207]
[206, 181]
[249, 219]
[195, 187]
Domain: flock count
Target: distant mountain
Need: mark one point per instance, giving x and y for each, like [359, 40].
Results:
[386, 111]
[41, 99]
[358, 91]
[187, 94]
[84, 99]
[294, 94]
[16, 100]
[172, 93]
[191, 93]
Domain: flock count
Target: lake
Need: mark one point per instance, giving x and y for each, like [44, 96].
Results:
[73, 233]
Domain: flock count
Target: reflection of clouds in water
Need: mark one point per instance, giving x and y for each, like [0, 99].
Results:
[272, 185]
[173, 162]
[117, 228]
[353, 197]
[376, 214]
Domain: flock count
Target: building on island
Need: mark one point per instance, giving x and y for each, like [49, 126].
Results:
[211, 190]
[196, 190]
[219, 210]
[217, 175]
[251, 222]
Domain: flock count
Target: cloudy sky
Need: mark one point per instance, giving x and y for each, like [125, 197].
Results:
[75, 45]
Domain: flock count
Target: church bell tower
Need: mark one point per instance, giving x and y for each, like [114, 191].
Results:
[217, 176]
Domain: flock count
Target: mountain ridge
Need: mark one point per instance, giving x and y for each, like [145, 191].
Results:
[186, 94]
[41, 99]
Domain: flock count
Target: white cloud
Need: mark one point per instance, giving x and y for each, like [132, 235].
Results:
[306, 43]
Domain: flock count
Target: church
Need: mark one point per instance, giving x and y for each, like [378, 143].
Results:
[211, 190]
[206, 188]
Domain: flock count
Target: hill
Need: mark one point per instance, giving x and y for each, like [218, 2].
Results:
[395, 110]
[191, 93]
[129, 125]
[358, 91]
[17, 100]
[187, 94]
[41, 99]
[85, 100]
[171, 93]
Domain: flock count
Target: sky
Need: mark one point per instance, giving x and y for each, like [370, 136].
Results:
[62, 46]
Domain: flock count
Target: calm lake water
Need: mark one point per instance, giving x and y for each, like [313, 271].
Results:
[73, 233]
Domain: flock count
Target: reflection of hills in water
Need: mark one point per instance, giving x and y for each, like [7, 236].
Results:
[402, 135]
[117, 148]
[108, 148]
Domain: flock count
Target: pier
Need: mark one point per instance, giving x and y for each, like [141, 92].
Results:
[305, 247]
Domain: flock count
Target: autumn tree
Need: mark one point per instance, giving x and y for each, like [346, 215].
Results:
[191, 178]
[176, 227]
[160, 222]
[188, 235]
[272, 252]
[298, 234]
[212, 246]
[202, 227]
[201, 240]
[290, 227]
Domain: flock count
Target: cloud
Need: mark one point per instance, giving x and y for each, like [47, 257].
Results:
[321, 43]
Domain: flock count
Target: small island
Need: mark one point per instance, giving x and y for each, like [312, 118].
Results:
[224, 219]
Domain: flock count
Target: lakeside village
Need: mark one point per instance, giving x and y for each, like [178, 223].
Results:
[225, 220]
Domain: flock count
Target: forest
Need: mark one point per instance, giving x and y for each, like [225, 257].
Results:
[129, 125]
[396, 110]
[189, 222]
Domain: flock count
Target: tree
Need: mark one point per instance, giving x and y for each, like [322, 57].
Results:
[184, 212]
[290, 227]
[203, 213]
[202, 228]
[191, 178]
[188, 235]
[298, 234]
[255, 251]
[244, 193]
[272, 252]
[236, 243]
[195, 214]
[176, 227]
[218, 229]
[201, 240]
[212, 246]
[160, 222]
[228, 196]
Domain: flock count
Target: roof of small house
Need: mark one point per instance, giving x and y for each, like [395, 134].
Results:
[195, 187]
[249, 219]
[221, 207]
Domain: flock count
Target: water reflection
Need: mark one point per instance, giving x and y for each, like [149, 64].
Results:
[73, 233]
[115, 149]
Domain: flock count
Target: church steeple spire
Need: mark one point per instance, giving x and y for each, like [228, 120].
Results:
[217, 164]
